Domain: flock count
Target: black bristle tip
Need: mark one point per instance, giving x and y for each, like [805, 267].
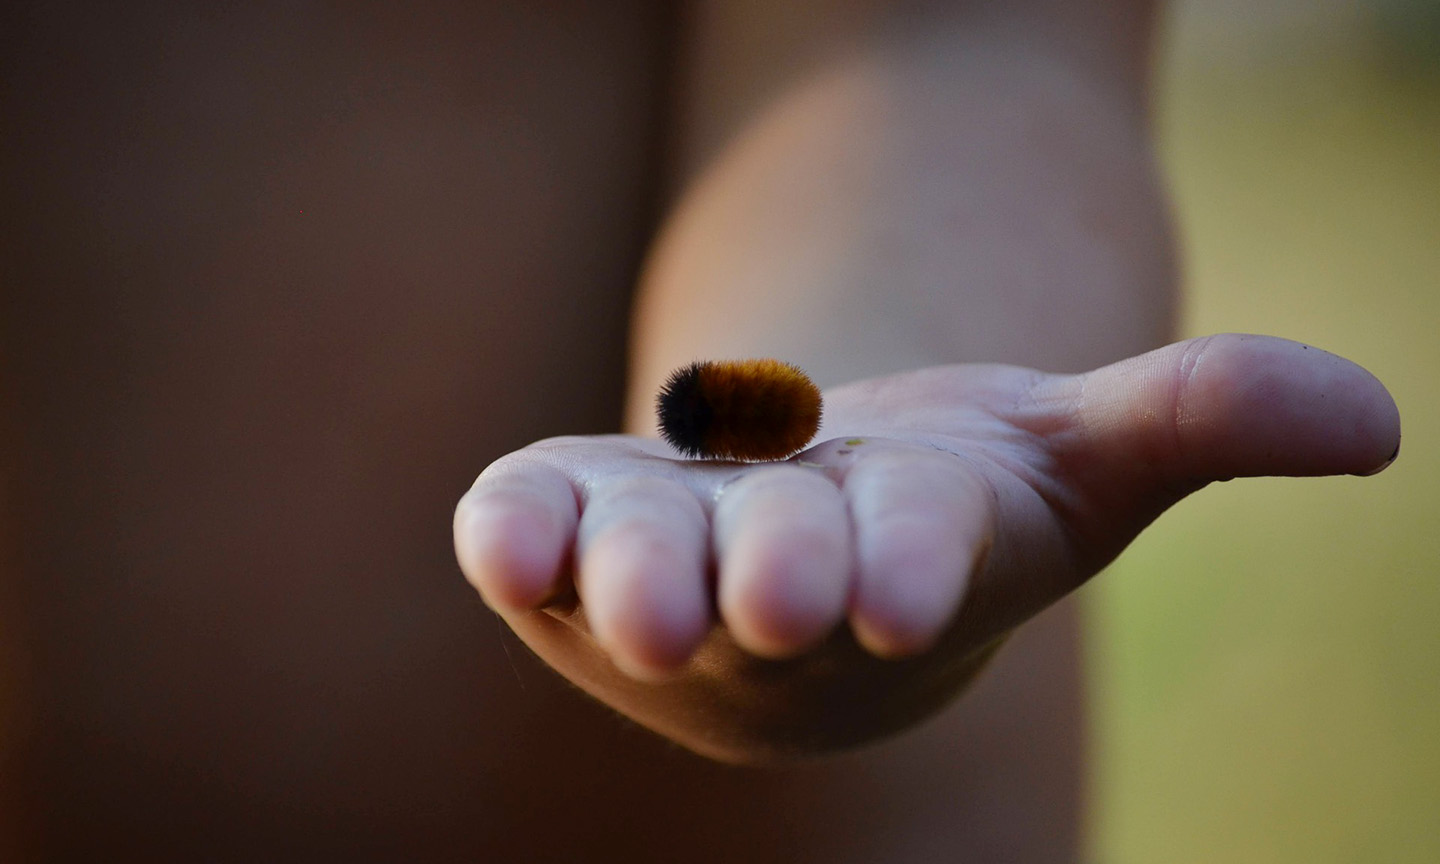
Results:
[685, 414]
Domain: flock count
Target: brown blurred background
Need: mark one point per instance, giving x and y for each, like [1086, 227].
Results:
[1271, 697]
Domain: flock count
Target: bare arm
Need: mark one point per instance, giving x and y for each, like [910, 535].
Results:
[912, 185]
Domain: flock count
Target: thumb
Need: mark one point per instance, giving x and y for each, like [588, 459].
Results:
[1239, 406]
[1144, 432]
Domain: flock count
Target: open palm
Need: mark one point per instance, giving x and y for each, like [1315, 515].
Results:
[941, 509]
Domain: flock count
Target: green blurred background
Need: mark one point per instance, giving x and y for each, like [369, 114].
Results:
[1265, 662]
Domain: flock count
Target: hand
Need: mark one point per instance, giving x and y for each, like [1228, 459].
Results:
[943, 508]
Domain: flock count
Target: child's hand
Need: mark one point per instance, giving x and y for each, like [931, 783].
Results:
[943, 508]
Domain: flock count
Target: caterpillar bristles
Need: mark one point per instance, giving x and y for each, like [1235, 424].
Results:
[743, 410]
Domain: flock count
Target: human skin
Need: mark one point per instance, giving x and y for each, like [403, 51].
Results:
[922, 187]
[279, 280]
[858, 227]
[943, 509]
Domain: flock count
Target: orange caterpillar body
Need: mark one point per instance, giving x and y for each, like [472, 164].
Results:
[748, 410]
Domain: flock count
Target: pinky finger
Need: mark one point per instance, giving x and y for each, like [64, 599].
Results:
[513, 532]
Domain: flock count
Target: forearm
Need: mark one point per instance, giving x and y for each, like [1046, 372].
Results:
[937, 191]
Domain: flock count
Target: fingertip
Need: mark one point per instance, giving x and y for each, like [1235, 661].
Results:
[654, 657]
[784, 548]
[1235, 405]
[1380, 433]
[908, 600]
[508, 553]
[1394, 454]
[643, 544]
[886, 640]
[1292, 409]
[646, 601]
[512, 538]
[923, 524]
[655, 661]
[894, 630]
[779, 601]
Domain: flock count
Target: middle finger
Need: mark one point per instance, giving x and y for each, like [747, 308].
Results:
[782, 538]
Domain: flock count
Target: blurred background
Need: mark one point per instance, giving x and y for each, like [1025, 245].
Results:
[1264, 663]
[1275, 696]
